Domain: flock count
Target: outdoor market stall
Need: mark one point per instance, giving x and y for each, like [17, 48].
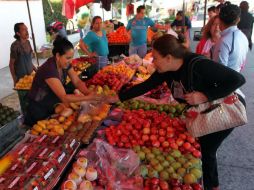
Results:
[138, 144]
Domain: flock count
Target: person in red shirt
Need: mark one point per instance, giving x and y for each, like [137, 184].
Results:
[211, 34]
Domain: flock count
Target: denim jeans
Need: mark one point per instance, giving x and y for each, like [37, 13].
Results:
[139, 50]
[102, 61]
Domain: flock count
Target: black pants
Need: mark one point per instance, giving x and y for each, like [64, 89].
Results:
[209, 145]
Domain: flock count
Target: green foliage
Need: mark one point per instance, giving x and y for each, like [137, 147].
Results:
[57, 15]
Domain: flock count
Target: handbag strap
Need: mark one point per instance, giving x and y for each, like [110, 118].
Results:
[190, 71]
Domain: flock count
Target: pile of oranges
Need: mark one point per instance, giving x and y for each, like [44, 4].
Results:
[120, 36]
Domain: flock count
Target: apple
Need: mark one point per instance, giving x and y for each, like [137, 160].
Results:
[145, 138]
[165, 144]
[154, 181]
[153, 137]
[197, 186]
[182, 136]
[164, 185]
[187, 145]
[196, 153]
[124, 138]
[179, 142]
[173, 146]
[154, 130]
[164, 124]
[191, 139]
[162, 132]
[162, 139]
[156, 143]
[146, 131]
[175, 182]
[186, 187]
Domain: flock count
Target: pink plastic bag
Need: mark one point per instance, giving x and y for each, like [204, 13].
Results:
[119, 168]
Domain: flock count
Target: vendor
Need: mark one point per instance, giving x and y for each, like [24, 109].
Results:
[137, 27]
[21, 58]
[95, 43]
[48, 86]
[21, 54]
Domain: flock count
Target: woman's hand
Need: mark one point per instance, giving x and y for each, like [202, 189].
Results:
[92, 54]
[195, 98]
[112, 99]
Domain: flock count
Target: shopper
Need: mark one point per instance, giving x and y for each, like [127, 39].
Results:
[212, 12]
[232, 48]
[21, 54]
[48, 86]
[210, 81]
[246, 21]
[178, 23]
[211, 35]
[95, 43]
[138, 29]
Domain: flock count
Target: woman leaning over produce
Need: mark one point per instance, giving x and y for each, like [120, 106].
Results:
[210, 81]
[48, 86]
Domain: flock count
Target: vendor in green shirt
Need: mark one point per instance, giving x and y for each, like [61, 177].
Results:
[95, 43]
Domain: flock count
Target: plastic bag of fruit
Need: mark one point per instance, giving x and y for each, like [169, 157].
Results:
[118, 167]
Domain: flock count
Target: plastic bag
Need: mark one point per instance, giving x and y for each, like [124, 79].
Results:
[119, 168]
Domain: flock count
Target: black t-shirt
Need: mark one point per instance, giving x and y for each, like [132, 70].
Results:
[211, 78]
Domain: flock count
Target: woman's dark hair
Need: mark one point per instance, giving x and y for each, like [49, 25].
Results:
[94, 20]
[180, 13]
[212, 9]
[61, 45]
[170, 45]
[244, 6]
[141, 7]
[17, 29]
[230, 14]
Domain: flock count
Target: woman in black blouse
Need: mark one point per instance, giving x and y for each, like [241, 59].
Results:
[210, 81]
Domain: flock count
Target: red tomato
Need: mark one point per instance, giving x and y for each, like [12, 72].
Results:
[174, 146]
[153, 137]
[179, 142]
[145, 138]
[156, 144]
[187, 145]
[162, 139]
[162, 132]
[190, 139]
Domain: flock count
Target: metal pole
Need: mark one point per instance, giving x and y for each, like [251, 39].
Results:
[205, 12]
[183, 19]
[32, 30]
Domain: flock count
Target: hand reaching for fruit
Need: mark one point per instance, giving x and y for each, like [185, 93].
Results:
[195, 98]
[111, 99]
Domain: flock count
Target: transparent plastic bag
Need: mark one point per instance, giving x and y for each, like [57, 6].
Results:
[118, 167]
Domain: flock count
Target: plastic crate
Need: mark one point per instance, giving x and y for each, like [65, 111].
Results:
[9, 133]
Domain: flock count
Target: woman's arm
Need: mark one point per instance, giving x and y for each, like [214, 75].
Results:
[84, 48]
[12, 70]
[155, 80]
[79, 84]
[217, 80]
[57, 87]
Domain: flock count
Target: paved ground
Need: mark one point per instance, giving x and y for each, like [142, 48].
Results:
[235, 156]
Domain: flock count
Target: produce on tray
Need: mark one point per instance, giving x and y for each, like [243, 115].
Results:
[88, 121]
[167, 166]
[120, 36]
[105, 167]
[80, 64]
[104, 90]
[36, 162]
[152, 129]
[25, 83]
[82, 176]
[7, 114]
[171, 109]
[65, 116]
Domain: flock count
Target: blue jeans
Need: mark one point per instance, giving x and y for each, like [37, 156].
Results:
[102, 61]
[139, 50]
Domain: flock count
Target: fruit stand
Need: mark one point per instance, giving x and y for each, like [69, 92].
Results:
[137, 144]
